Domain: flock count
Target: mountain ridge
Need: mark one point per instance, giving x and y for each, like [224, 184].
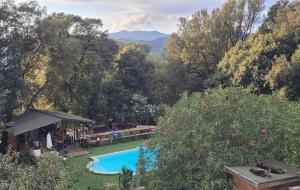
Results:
[137, 35]
[155, 39]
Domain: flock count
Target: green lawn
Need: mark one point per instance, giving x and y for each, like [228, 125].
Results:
[86, 178]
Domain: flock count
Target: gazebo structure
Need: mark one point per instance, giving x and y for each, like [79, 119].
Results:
[33, 126]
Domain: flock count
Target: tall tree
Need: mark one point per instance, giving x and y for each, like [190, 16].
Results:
[287, 79]
[207, 36]
[80, 55]
[264, 60]
[19, 47]
[270, 21]
[134, 70]
[249, 61]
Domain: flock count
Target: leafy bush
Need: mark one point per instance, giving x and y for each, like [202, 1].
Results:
[141, 168]
[52, 173]
[204, 133]
[270, 61]
[12, 175]
[26, 157]
[49, 173]
[125, 179]
[143, 112]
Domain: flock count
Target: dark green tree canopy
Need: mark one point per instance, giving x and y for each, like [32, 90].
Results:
[266, 60]
[270, 21]
[19, 43]
[134, 70]
[203, 40]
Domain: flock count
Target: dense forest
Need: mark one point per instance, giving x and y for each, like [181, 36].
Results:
[68, 63]
[240, 61]
[252, 111]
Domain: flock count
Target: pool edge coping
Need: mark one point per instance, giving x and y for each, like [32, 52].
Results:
[94, 159]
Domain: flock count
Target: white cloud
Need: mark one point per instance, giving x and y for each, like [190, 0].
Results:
[141, 21]
[159, 6]
[131, 21]
[117, 15]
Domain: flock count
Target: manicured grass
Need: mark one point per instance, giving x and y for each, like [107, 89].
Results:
[87, 179]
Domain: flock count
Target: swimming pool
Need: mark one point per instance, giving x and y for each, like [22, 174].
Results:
[112, 163]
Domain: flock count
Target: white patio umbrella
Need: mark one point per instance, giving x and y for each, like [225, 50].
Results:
[49, 141]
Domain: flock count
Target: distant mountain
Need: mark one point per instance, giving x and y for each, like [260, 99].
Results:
[137, 35]
[155, 39]
[157, 45]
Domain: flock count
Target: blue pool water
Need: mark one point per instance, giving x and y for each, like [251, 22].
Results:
[112, 163]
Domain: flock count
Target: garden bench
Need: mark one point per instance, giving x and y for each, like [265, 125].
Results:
[137, 135]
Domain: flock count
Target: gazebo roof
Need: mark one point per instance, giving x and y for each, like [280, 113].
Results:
[34, 119]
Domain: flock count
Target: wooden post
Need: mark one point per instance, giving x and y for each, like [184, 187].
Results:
[13, 141]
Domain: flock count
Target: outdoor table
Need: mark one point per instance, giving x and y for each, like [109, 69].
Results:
[105, 137]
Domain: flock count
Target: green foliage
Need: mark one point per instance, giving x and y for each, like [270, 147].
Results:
[266, 60]
[202, 41]
[287, 24]
[25, 157]
[78, 65]
[218, 79]
[250, 61]
[160, 111]
[134, 70]
[68, 63]
[141, 169]
[125, 179]
[142, 111]
[270, 21]
[13, 176]
[18, 40]
[204, 133]
[60, 176]
[291, 79]
[160, 85]
[173, 78]
[49, 173]
[275, 77]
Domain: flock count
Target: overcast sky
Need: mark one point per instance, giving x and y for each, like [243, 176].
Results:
[160, 15]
